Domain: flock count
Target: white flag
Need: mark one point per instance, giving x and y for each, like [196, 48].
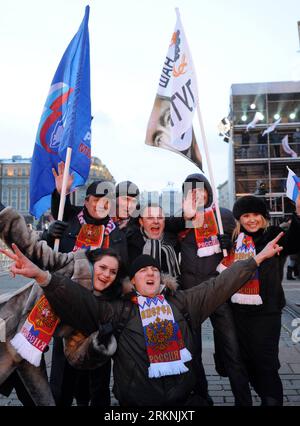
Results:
[272, 127]
[170, 123]
[258, 116]
[286, 147]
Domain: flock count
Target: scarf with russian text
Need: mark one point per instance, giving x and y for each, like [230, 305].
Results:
[35, 335]
[206, 235]
[33, 338]
[164, 343]
[248, 294]
[93, 236]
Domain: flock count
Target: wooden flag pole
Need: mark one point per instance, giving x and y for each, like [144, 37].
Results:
[63, 192]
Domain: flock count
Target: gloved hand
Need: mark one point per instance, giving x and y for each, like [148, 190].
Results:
[104, 333]
[56, 229]
[225, 241]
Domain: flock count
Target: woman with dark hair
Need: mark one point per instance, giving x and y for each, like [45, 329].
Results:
[258, 304]
[105, 285]
[96, 270]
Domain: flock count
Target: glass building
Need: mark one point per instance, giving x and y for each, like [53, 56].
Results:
[259, 157]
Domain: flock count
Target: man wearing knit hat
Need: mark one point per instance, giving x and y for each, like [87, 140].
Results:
[157, 342]
[127, 201]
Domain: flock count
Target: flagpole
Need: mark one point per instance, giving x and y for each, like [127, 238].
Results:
[63, 192]
[210, 171]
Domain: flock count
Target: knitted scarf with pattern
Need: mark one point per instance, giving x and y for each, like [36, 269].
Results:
[248, 294]
[35, 335]
[164, 343]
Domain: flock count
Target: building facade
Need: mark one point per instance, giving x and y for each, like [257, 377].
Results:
[259, 159]
[14, 183]
[223, 195]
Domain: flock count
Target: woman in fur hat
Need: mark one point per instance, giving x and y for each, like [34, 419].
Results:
[258, 304]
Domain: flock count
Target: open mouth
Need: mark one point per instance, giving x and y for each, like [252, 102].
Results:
[155, 229]
[150, 282]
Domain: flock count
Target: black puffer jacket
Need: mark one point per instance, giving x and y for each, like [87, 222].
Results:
[195, 269]
[79, 308]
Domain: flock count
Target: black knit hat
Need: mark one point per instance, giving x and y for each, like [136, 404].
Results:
[127, 188]
[250, 204]
[101, 188]
[141, 262]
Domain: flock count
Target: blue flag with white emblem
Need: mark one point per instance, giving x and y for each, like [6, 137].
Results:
[65, 122]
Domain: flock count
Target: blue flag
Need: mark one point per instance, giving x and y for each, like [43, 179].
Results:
[65, 122]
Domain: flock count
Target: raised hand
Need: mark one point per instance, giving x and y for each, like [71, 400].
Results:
[269, 250]
[59, 178]
[189, 206]
[23, 266]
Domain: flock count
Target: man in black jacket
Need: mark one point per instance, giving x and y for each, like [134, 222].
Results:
[159, 365]
[150, 238]
[201, 253]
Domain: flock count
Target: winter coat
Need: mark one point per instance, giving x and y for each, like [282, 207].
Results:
[270, 272]
[14, 312]
[117, 240]
[13, 228]
[131, 384]
[136, 242]
[195, 269]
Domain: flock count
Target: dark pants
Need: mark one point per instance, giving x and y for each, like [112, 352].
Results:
[201, 387]
[14, 382]
[259, 341]
[62, 376]
[92, 386]
[86, 386]
[228, 357]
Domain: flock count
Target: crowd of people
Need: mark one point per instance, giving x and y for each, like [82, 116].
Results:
[132, 285]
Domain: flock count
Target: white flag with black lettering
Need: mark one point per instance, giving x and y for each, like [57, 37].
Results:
[170, 123]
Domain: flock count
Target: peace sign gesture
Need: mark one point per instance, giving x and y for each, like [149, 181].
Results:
[23, 266]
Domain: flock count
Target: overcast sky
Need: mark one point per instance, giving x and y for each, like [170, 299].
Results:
[231, 41]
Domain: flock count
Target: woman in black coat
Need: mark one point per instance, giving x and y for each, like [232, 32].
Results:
[258, 304]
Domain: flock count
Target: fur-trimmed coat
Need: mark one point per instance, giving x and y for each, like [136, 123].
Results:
[132, 386]
[13, 229]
